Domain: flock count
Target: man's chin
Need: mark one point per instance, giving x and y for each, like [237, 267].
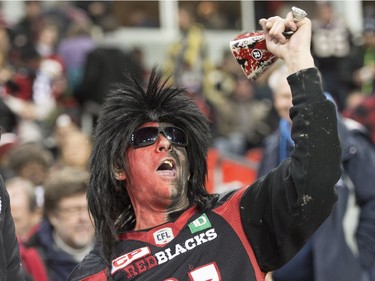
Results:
[82, 240]
[80, 244]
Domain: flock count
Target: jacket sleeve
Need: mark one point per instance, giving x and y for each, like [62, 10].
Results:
[10, 261]
[281, 210]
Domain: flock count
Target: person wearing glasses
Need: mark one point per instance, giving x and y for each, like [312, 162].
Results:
[10, 260]
[66, 234]
[153, 217]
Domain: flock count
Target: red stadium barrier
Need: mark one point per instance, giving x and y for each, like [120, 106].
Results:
[229, 172]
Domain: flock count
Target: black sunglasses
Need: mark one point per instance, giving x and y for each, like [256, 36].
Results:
[148, 135]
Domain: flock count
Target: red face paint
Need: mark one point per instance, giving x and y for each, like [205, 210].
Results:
[157, 177]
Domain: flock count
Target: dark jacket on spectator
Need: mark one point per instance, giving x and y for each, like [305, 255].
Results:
[59, 264]
[330, 255]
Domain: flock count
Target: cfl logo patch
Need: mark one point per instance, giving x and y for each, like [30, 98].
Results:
[163, 236]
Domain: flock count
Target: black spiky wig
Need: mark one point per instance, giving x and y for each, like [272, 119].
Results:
[129, 105]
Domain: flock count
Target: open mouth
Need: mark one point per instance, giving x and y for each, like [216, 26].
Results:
[167, 168]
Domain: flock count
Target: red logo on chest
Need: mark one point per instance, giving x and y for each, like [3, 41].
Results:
[128, 258]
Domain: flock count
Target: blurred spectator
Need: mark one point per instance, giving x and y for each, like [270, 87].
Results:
[241, 119]
[27, 215]
[7, 141]
[140, 18]
[8, 119]
[98, 12]
[331, 44]
[349, 232]
[212, 17]
[26, 31]
[360, 67]
[64, 124]
[278, 145]
[66, 234]
[51, 79]
[31, 161]
[187, 59]
[104, 65]
[32, 263]
[47, 40]
[33, 95]
[364, 113]
[63, 14]
[25, 210]
[73, 50]
[354, 99]
[74, 151]
[37, 16]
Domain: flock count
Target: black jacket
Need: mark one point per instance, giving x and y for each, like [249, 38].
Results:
[10, 261]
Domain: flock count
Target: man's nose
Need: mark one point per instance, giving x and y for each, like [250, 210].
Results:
[163, 143]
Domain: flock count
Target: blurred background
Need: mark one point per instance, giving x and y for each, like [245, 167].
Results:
[151, 25]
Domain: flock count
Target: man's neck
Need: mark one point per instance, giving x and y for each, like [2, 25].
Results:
[148, 218]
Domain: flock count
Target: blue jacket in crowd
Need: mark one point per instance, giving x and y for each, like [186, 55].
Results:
[343, 248]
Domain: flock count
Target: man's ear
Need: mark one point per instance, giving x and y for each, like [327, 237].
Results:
[120, 175]
[53, 218]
